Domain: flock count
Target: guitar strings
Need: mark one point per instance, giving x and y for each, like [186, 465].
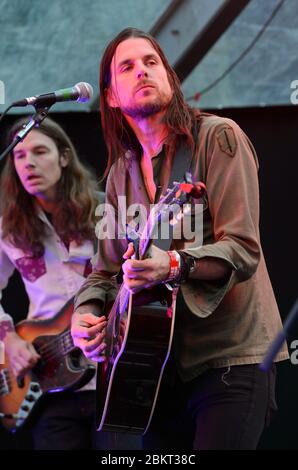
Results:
[56, 347]
[59, 346]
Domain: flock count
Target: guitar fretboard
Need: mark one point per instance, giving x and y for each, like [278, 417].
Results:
[66, 342]
[123, 299]
[60, 345]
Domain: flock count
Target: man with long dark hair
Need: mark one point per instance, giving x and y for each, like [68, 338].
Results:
[213, 395]
[48, 201]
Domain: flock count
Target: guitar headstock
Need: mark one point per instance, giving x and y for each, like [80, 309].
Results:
[171, 208]
[176, 197]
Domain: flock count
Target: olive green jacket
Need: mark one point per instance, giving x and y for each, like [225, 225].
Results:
[227, 322]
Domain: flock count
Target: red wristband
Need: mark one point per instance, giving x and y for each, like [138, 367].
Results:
[174, 268]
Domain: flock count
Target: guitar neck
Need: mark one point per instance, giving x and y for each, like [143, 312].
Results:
[57, 345]
[66, 342]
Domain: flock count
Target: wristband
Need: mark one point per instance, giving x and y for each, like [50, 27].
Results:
[175, 264]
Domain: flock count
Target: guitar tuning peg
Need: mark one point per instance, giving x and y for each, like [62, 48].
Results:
[188, 177]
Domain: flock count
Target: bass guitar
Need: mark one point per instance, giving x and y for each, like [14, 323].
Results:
[62, 367]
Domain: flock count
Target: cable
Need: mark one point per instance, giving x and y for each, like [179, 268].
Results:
[5, 112]
[198, 95]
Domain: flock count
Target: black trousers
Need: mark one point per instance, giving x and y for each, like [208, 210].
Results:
[66, 421]
[225, 408]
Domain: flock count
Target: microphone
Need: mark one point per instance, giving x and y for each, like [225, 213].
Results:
[81, 92]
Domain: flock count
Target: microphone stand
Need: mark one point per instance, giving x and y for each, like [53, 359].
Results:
[36, 119]
[280, 338]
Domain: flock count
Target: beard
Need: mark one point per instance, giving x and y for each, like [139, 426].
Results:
[143, 111]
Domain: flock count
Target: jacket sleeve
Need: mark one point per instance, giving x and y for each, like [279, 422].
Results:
[231, 175]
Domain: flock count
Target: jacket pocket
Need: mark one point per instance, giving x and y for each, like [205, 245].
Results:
[31, 268]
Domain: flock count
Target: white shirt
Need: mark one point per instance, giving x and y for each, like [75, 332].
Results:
[51, 280]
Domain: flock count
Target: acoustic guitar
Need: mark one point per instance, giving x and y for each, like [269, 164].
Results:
[139, 332]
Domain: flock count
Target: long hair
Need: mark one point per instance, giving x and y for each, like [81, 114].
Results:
[76, 201]
[118, 135]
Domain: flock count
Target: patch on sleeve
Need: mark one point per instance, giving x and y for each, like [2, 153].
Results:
[227, 141]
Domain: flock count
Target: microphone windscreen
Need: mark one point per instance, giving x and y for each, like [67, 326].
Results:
[85, 91]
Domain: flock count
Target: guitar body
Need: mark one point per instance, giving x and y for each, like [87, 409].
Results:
[128, 383]
[55, 371]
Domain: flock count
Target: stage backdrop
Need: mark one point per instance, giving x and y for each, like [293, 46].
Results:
[273, 131]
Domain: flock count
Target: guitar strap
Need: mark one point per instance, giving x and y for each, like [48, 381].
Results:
[182, 163]
[183, 158]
